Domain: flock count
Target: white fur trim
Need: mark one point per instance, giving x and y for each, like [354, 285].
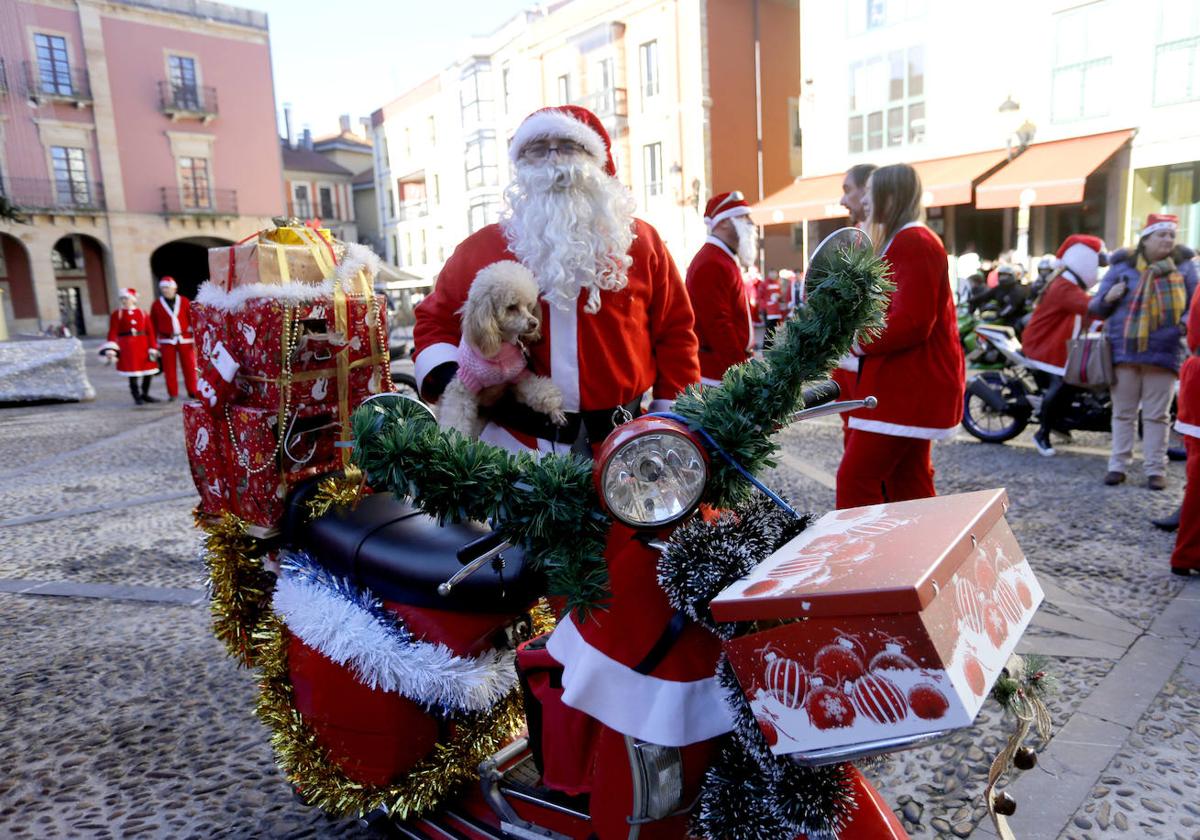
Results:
[1149, 229]
[223, 362]
[731, 213]
[424, 672]
[556, 124]
[564, 354]
[431, 357]
[109, 345]
[712, 240]
[1189, 429]
[899, 430]
[149, 372]
[849, 362]
[666, 712]
[357, 258]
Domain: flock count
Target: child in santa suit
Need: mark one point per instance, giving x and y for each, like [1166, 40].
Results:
[132, 344]
[915, 366]
[1185, 559]
[171, 319]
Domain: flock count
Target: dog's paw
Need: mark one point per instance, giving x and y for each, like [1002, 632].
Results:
[558, 417]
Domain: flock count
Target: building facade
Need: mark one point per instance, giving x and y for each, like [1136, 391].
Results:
[133, 135]
[318, 188]
[689, 91]
[1084, 116]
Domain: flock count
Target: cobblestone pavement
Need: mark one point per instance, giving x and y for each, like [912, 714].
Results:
[122, 717]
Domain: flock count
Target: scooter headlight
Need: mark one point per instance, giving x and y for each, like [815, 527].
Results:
[651, 472]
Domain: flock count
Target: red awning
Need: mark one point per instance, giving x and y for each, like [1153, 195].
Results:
[949, 180]
[1054, 172]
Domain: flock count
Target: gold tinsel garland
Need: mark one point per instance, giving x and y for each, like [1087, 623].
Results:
[239, 588]
[338, 490]
[308, 766]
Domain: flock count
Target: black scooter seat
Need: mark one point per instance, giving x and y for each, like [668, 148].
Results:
[401, 555]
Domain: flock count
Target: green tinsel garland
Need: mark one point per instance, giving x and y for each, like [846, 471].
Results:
[550, 507]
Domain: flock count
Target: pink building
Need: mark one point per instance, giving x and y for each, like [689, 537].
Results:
[133, 135]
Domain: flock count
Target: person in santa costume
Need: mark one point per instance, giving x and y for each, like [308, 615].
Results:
[171, 319]
[616, 323]
[717, 289]
[772, 303]
[915, 367]
[1185, 559]
[1143, 300]
[854, 191]
[1061, 314]
[132, 345]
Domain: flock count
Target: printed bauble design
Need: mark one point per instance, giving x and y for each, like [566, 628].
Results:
[985, 572]
[967, 599]
[878, 698]
[1024, 594]
[319, 389]
[892, 658]
[801, 564]
[973, 671]
[995, 623]
[201, 439]
[1008, 601]
[760, 587]
[785, 680]
[927, 702]
[877, 528]
[828, 708]
[769, 732]
[840, 662]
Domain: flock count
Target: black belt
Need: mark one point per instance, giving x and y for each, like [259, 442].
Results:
[596, 425]
[128, 334]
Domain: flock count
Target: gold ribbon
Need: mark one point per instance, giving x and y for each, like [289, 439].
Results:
[1031, 713]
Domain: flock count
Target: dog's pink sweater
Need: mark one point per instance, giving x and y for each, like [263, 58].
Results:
[477, 373]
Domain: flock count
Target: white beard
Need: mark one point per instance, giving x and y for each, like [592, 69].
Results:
[747, 249]
[571, 224]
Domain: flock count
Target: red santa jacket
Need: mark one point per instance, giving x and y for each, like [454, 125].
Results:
[641, 338]
[130, 335]
[1059, 317]
[915, 367]
[171, 321]
[718, 294]
[1188, 420]
[772, 299]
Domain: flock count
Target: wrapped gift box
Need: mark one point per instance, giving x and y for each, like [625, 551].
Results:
[208, 458]
[275, 257]
[887, 624]
[262, 472]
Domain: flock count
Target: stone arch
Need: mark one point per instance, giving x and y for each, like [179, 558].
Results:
[81, 281]
[16, 277]
[186, 260]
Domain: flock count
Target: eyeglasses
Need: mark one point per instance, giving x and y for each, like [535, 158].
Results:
[541, 149]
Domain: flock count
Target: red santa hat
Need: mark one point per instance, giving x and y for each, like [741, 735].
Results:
[168, 282]
[1081, 254]
[1159, 221]
[725, 206]
[127, 293]
[565, 122]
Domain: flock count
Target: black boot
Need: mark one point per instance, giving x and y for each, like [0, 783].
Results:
[146, 390]
[1168, 523]
[133, 389]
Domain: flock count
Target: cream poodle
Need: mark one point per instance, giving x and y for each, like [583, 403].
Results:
[501, 314]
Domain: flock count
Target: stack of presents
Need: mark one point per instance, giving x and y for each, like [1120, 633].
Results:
[291, 337]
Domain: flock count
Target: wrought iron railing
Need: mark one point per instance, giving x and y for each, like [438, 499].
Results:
[61, 83]
[192, 100]
[609, 102]
[58, 196]
[177, 201]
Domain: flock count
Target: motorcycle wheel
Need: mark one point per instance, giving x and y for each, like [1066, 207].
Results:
[990, 425]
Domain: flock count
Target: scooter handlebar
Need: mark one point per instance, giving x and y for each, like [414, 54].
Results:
[821, 393]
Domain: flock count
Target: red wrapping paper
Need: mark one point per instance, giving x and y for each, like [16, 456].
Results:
[207, 457]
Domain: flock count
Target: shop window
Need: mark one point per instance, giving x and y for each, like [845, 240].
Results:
[1082, 75]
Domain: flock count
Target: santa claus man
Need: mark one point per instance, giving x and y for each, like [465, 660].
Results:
[616, 323]
[132, 345]
[171, 319]
[717, 289]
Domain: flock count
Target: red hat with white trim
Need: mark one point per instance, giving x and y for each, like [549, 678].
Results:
[168, 282]
[725, 206]
[129, 293]
[1080, 254]
[1159, 221]
[565, 122]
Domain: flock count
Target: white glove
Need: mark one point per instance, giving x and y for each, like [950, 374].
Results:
[154, 355]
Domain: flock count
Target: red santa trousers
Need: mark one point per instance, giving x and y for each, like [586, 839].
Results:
[1187, 541]
[879, 468]
[187, 359]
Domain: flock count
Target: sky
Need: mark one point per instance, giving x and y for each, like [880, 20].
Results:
[353, 56]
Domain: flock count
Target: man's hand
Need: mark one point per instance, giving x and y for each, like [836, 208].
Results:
[1115, 293]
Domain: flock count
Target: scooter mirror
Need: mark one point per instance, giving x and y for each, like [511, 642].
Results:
[828, 256]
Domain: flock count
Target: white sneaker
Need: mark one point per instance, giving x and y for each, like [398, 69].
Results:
[1041, 439]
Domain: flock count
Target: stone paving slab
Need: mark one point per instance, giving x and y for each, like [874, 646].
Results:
[1085, 629]
[1063, 647]
[1132, 685]
[112, 592]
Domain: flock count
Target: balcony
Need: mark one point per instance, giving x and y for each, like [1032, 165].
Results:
[183, 102]
[179, 203]
[413, 209]
[68, 198]
[70, 85]
[611, 105]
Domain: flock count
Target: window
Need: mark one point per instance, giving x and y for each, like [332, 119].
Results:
[437, 189]
[1177, 56]
[868, 15]
[395, 250]
[797, 141]
[1082, 72]
[301, 203]
[887, 101]
[54, 68]
[408, 249]
[194, 193]
[564, 89]
[407, 142]
[605, 97]
[422, 244]
[652, 169]
[649, 63]
[325, 194]
[185, 91]
[475, 94]
[506, 89]
[70, 176]
[798, 236]
[482, 212]
[480, 160]
[391, 204]
[431, 126]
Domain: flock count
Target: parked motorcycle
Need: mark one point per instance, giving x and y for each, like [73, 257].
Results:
[1000, 403]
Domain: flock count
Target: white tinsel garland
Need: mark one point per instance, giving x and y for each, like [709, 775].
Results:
[335, 620]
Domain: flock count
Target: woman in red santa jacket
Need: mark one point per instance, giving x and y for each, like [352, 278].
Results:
[1186, 557]
[171, 318]
[915, 366]
[131, 342]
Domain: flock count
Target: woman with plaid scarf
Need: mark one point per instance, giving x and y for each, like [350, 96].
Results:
[1144, 301]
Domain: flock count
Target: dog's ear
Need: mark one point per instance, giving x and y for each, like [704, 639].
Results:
[481, 327]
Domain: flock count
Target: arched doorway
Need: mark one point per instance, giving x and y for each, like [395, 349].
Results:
[16, 279]
[186, 260]
[81, 281]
